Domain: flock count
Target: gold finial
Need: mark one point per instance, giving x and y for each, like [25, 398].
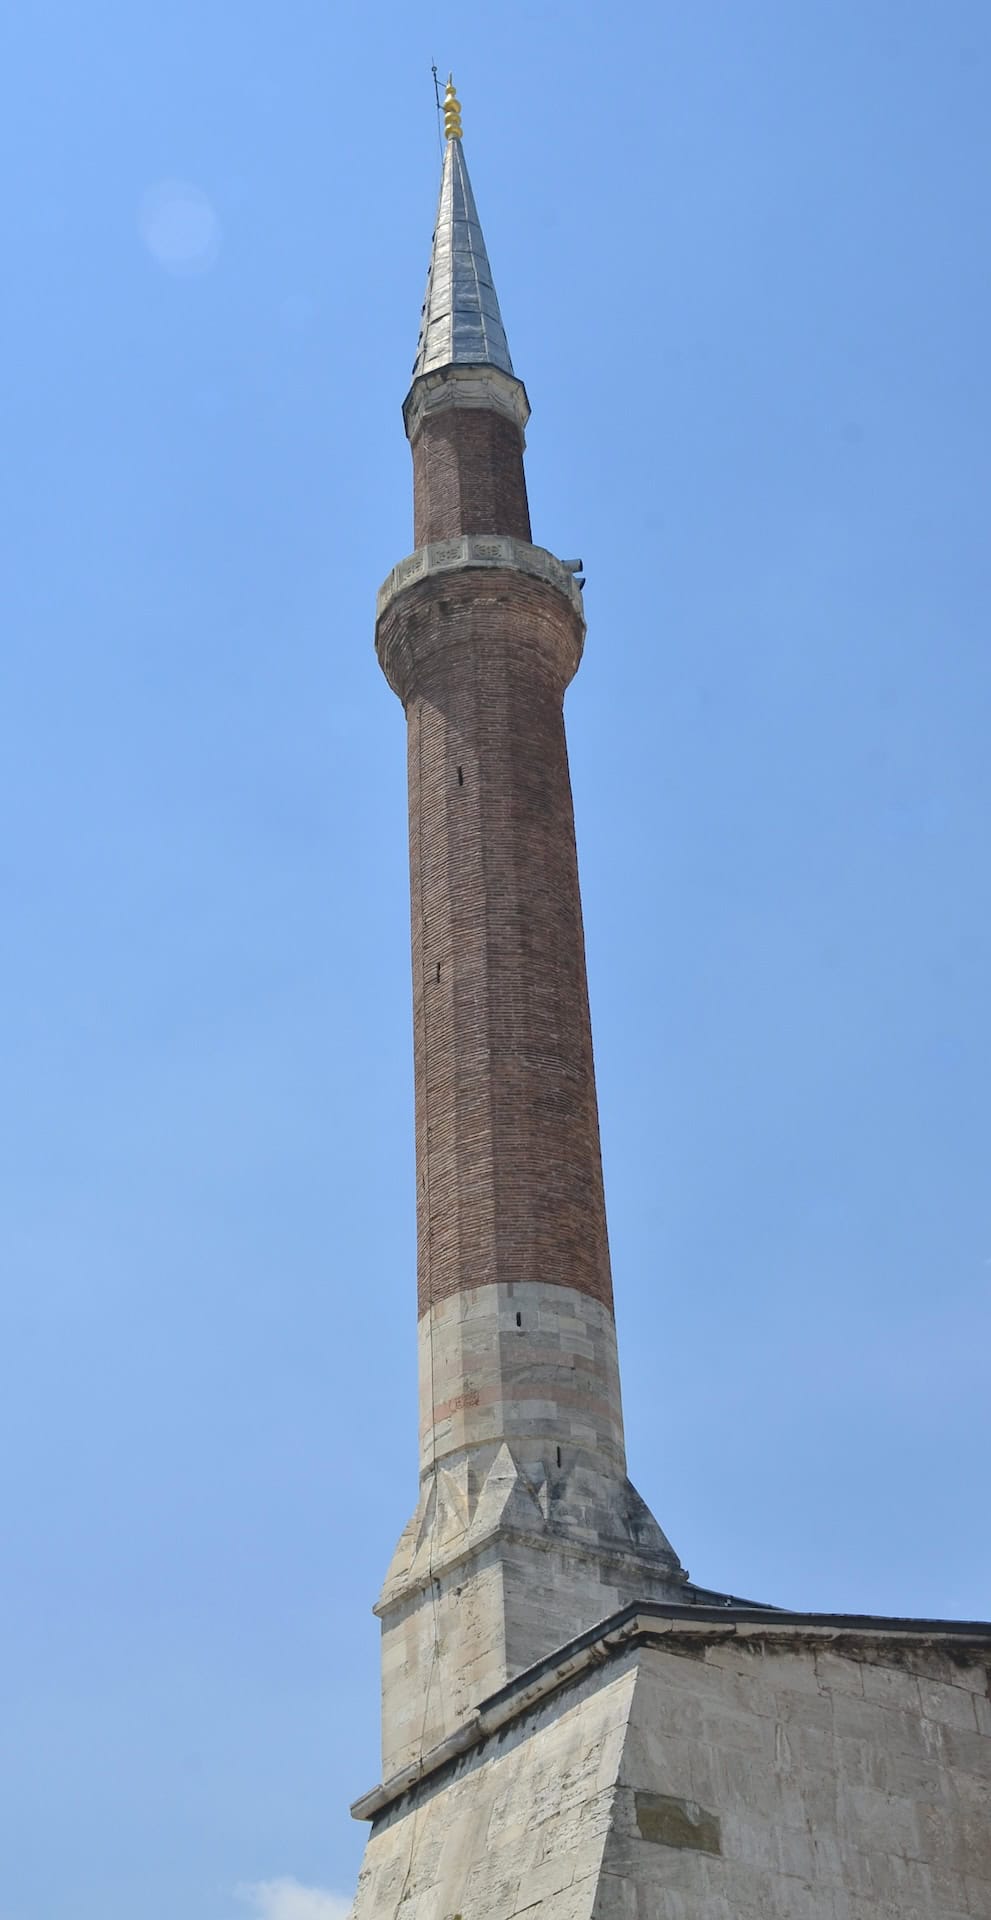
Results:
[452, 111]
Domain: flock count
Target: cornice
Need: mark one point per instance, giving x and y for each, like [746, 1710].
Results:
[480, 387]
[480, 550]
[665, 1626]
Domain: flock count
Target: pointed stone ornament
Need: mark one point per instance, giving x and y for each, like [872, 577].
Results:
[460, 324]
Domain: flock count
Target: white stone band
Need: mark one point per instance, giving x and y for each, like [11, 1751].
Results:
[484, 389]
[532, 1364]
[480, 550]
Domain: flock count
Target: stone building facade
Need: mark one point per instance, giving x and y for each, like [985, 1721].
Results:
[686, 1766]
[569, 1725]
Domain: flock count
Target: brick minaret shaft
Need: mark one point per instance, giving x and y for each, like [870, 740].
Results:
[527, 1529]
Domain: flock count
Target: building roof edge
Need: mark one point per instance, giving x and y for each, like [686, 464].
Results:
[640, 1624]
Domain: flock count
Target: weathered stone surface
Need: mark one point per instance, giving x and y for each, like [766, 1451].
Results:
[662, 1785]
[524, 1821]
[531, 1364]
[490, 1578]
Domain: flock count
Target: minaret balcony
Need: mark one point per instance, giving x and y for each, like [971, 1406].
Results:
[469, 550]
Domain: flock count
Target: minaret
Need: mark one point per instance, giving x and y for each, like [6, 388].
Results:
[527, 1529]
[571, 1730]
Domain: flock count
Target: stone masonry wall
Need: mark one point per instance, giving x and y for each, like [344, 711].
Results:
[530, 1363]
[819, 1786]
[735, 1781]
[520, 1825]
[480, 1622]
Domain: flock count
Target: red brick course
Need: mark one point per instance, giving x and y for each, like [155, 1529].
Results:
[508, 1168]
[468, 476]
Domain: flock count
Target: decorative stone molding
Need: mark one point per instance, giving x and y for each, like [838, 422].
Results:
[465, 387]
[598, 1516]
[830, 1656]
[480, 550]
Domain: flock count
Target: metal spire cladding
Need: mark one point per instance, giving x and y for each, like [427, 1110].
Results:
[460, 324]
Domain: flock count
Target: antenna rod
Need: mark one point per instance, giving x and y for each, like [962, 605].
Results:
[437, 102]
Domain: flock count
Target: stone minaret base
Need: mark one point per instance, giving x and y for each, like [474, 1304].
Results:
[758, 1768]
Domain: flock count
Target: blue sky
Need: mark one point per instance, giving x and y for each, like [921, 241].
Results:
[742, 257]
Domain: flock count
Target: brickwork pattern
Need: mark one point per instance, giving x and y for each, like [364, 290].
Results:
[468, 476]
[508, 1166]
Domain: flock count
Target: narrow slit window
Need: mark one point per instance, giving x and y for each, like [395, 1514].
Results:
[559, 1456]
[461, 776]
[519, 1319]
[438, 969]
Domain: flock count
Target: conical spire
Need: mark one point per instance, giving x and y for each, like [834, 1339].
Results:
[460, 324]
